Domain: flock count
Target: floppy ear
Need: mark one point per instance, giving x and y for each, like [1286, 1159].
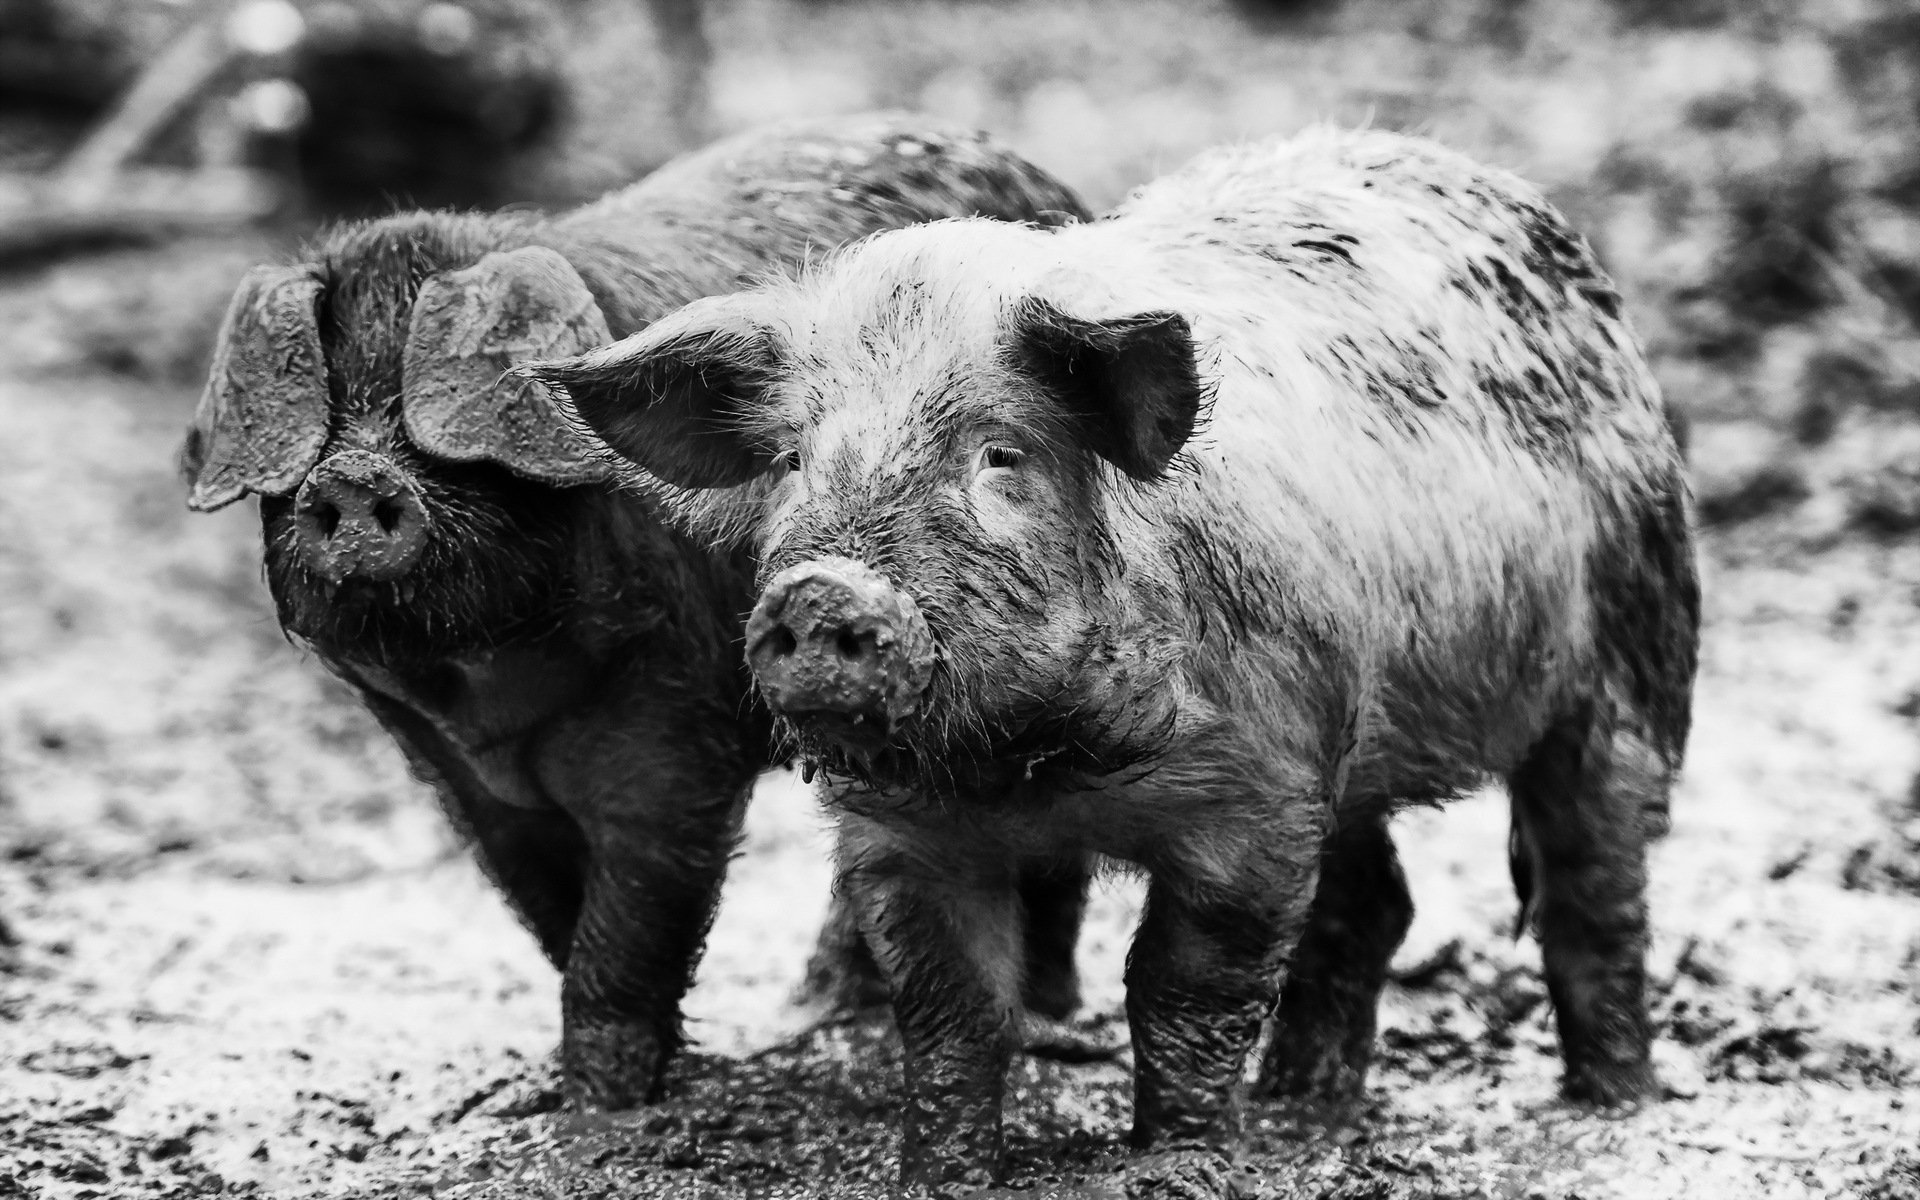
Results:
[262, 419]
[469, 329]
[1129, 385]
[672, 399]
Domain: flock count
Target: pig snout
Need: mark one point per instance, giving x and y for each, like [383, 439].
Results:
[359, 516]
[833, 644]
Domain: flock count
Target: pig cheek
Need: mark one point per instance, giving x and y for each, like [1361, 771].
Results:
[1023, 517]
[1020, 517]
[1011, 510]
[782, 511]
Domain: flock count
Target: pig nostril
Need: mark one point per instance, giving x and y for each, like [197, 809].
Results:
[387, 512]
[783, 642]
[326, 515]
[849, 645]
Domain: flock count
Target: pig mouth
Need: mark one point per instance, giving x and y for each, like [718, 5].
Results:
[866, 738]
[435, 611]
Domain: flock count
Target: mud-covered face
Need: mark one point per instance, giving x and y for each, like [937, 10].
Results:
[942, 594]
[389, 557]
[930, 587]
[416, 503]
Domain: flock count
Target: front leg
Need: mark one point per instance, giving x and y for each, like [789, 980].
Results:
[947, 939]
[1228, 901]
[535, 856]
[657, 866]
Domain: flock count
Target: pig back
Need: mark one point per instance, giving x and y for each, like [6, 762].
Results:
[1434, 442]
[769, 199]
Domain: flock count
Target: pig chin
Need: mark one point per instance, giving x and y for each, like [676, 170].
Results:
[837, 737]
[434, 611]
[397, 624]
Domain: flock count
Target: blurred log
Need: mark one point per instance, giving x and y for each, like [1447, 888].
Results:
[432, 104]
[428, 102]
[96, 194]
[40, 215]
[181, 75]
[64, 55]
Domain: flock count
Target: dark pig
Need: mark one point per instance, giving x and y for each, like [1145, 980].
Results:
[561, 666]
[1322, 477]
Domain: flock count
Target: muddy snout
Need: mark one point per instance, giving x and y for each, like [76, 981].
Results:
[834, 644]
[359, 515]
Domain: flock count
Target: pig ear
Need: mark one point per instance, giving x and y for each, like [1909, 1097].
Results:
[673, 398]
[469, 329]
[262, 419]
[1130, 385]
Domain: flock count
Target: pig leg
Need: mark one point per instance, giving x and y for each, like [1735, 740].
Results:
[537, 858]
[1232, 886]
[658, 863]
[842, 975]
[1581, 837]
[1203, 976]
[948, 945]
[1323, 1038]
[1053, 899]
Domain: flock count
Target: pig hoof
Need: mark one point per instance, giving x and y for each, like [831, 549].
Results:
[968, 1185]
[524, 1099]
[1184, 1175]
[1327, 1078]
[1611, 1085]
[1044, 1037]
[611, 1066]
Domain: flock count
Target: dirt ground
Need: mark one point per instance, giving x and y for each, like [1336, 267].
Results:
[241, 955]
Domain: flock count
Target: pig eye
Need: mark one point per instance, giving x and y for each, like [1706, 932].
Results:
[1000, 458]
[787, 460]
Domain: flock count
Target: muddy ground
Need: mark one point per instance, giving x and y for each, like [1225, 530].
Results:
[240, 954]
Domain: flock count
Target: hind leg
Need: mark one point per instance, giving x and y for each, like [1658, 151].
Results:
[842, 976]
[1323, 1035]
[1581, 839]
[1053, 899]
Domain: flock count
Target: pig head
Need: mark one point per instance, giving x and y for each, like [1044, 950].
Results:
[939, 583]
[366, 496]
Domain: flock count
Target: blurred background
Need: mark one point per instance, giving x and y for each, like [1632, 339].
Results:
[239, 953]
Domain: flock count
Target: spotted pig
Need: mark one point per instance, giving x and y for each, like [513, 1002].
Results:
[1324, 476]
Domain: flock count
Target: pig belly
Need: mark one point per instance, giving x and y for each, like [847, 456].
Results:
[1432, 735]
